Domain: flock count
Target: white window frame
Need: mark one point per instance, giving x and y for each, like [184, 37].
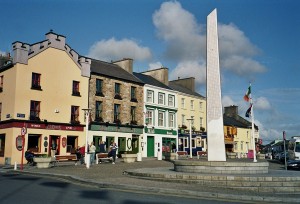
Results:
[150, 96]
[150, 116]
[161, 98]
[171, 100]
[171, 119]
[161, 121]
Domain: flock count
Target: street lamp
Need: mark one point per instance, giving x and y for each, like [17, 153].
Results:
[87, 112]
[190, 120]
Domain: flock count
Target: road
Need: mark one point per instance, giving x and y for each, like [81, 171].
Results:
[18, 188]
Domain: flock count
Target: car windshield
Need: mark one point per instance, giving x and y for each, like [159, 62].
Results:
[297, 149]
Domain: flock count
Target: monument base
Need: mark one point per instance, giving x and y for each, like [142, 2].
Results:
[228, 167]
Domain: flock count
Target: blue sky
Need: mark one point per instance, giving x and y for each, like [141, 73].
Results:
[259, 43]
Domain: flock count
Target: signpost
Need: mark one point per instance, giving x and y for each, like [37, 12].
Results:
[23, 133]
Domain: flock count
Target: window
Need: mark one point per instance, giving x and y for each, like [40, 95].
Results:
[98, 111]
[118, 91]
[149, 117]
[161, 98]
[133, 94]
[193, 120]
[200, 106]
[0, 110]
[2, 145]
[171, 119]
[75, 91]
[201, 122]
[72, 143]
[182, 103]
[75, 114]
[117, 113]
[183, 119]
[132, 115]
[171, 100]
[35, 81]
[99, 86]
[34, 110]
[1, 83]
[34, 142]
[150, 95]
[192, 104]
[161, 115]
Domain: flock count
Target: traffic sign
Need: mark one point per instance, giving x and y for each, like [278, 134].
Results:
[23, 131]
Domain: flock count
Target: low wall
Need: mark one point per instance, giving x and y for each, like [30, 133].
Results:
[195, 166]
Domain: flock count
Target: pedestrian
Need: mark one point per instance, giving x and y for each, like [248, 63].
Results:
[173, 147]
[102, 147]
[53, 148]
[113, 151]
[92, 151]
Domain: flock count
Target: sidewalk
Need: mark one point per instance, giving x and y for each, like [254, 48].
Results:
[107, 175]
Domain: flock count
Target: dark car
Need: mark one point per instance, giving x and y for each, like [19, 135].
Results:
[293, 164]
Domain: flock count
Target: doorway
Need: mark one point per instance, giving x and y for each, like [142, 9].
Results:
[56, 140]
[150, 146]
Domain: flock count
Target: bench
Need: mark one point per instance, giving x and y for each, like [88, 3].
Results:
[102, 157]
[181, 154]
[65, 158]
[201, 153]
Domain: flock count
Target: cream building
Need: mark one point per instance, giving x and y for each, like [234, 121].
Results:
[43, 89]
[191, 105]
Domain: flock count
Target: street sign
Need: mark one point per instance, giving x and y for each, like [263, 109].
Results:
[23, 131]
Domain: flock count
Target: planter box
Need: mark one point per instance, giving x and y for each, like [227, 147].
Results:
[42, 162]
[129, 158]
[170, 156]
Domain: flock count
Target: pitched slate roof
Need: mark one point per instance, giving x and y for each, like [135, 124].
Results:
[184, 90]
[112, 70]
[150, 80]
[237, 121]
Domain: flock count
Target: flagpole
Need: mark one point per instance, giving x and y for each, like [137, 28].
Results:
[252, 126]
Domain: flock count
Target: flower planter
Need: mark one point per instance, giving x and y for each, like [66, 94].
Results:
[42, 162]
[129, 158]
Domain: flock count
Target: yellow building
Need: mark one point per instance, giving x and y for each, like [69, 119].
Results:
[44, 89]
[191, 105]
[238, 133]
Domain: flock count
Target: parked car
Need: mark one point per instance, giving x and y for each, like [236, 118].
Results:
[281, 156]
[293, 164]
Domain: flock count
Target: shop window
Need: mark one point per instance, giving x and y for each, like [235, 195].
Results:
[2, 145]
[34, 142]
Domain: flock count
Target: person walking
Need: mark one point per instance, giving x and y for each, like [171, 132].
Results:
[92, 151]
[113, 151]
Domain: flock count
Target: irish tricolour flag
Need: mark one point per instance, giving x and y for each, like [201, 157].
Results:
[247, 95]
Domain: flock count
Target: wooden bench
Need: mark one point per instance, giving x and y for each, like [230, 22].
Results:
[102, 157]
[201, 153]
[181, 154]
[66, 158]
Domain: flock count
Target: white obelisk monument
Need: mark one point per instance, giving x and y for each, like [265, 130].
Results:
[215, 131]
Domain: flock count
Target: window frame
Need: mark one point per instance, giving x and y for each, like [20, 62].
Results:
[150, 96]
[161, 121]
[36, 81]
[117, 113]
[150, 117]
[99, 87]
[75, 114]
[133, 94]
[171, 116]
[161, 98]
[35, 109]
[75, 88]
[98, 111]
[172, 101]
[133, 115]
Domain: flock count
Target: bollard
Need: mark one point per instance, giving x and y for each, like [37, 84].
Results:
[15, 167]
[88, 160]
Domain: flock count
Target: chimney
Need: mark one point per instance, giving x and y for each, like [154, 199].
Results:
[85, 66]
[126, 64]
[188, 83]
[20, 51]
[231, 110]
[161, 74]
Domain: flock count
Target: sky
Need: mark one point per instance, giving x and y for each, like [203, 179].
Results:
[259, 43]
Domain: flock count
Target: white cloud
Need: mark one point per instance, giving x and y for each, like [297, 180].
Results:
[113, 49]
[227, 101]
[186, 41]
[262, 103]
[155, 65]
[2, 53]
[186, 69]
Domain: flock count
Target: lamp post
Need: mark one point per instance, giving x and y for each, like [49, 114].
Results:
[190, 120]
[87, 112]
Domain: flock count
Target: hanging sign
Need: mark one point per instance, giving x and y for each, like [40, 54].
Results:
[20, 143]
[64, 142]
